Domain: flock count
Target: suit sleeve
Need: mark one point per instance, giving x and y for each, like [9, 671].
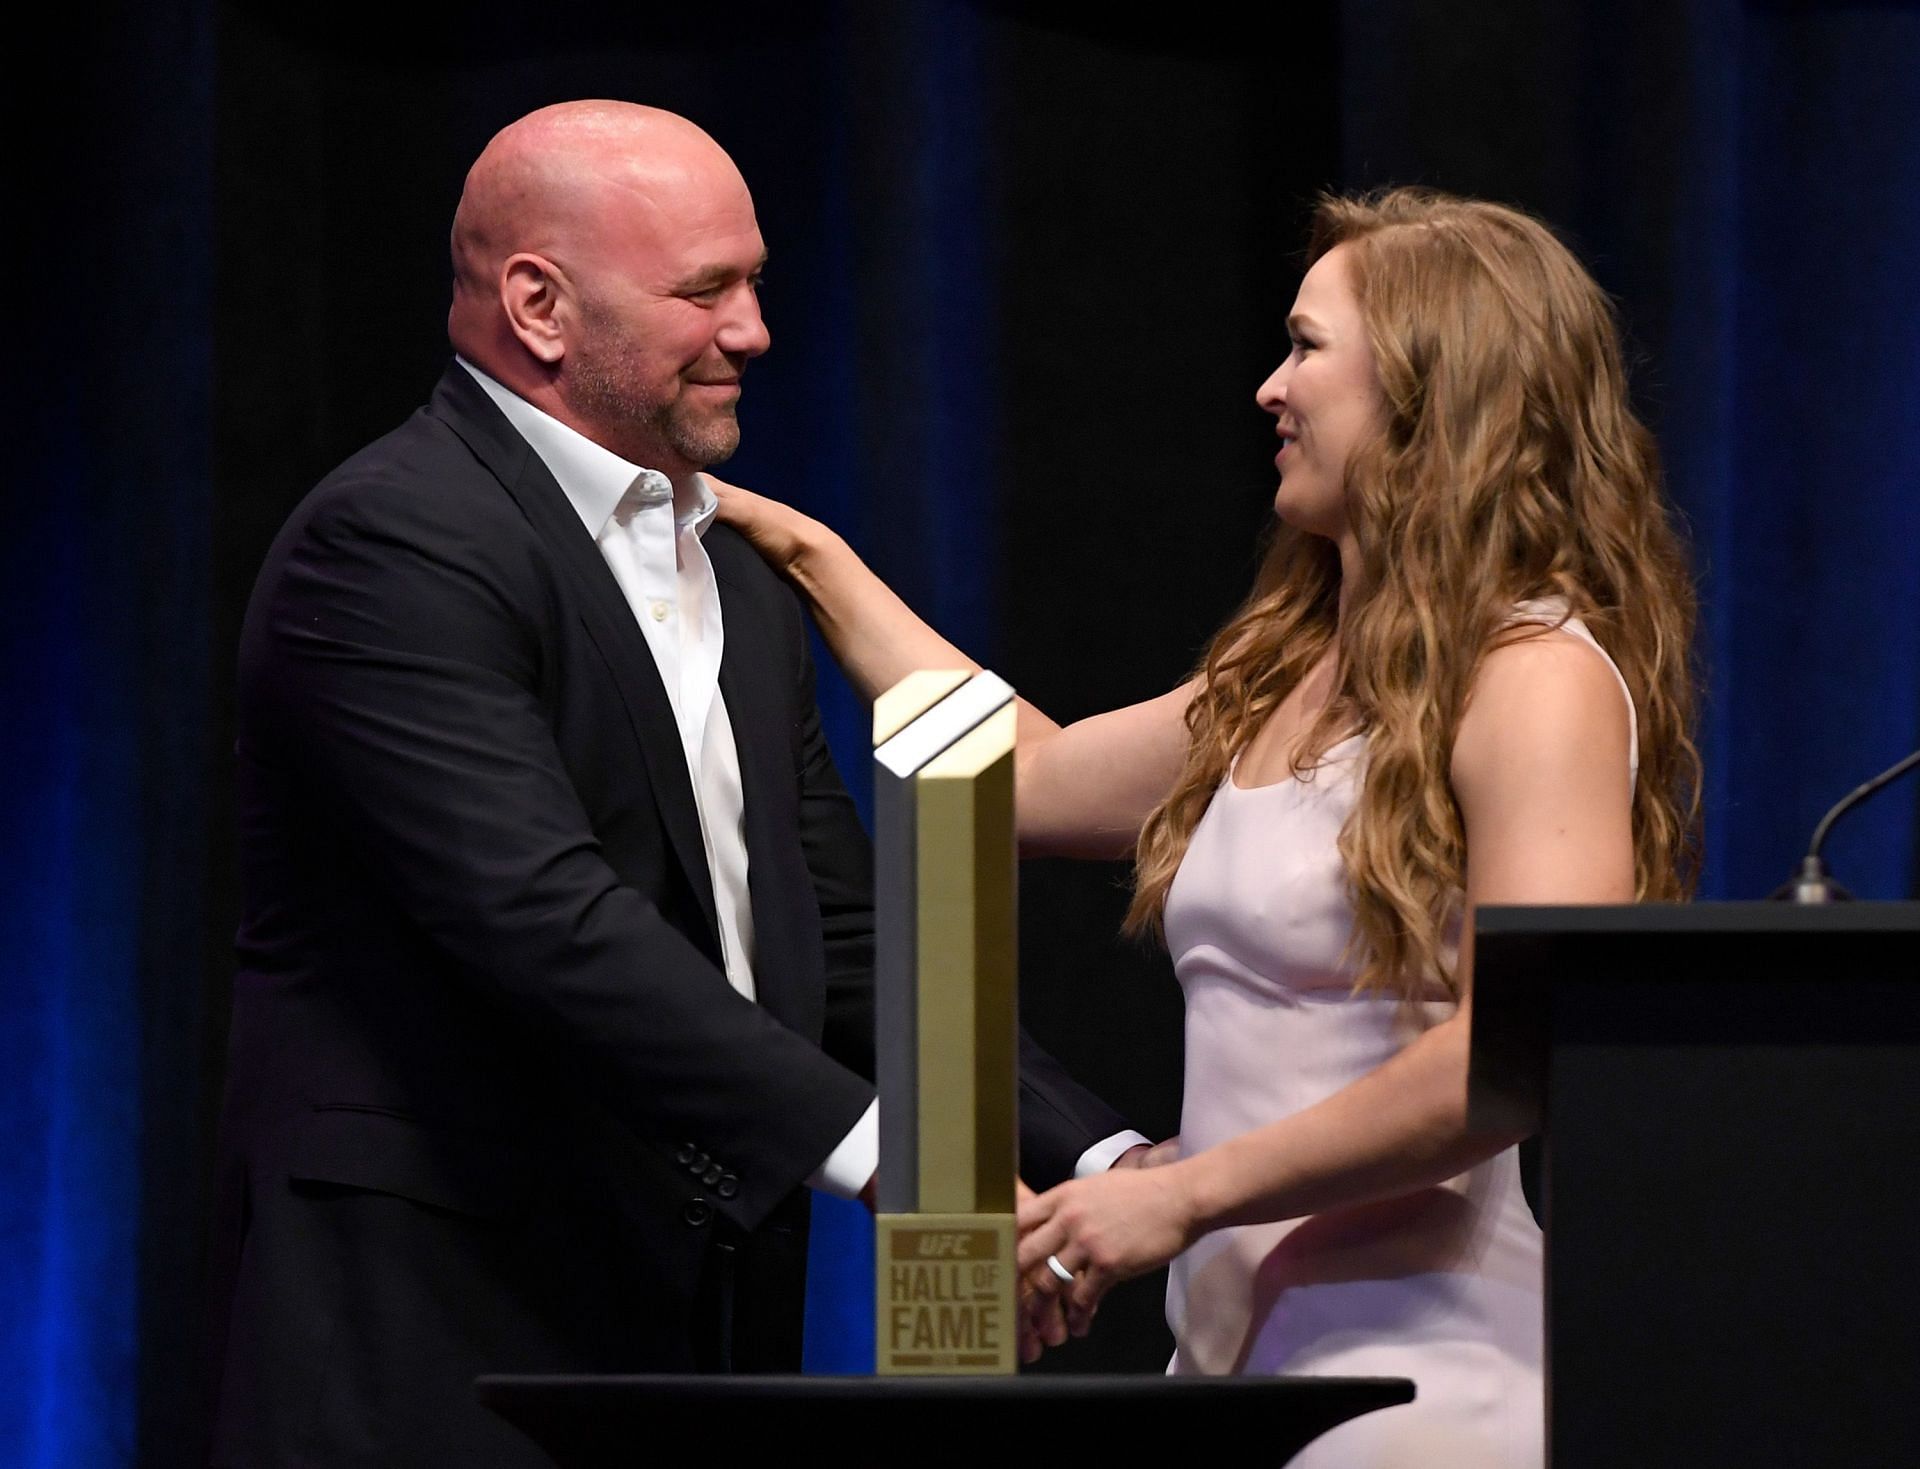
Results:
[395, 667]
[1059, 1118]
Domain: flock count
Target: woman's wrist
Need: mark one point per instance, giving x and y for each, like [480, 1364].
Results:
[1235, 1182]
[815, 551]
[1201, 1186]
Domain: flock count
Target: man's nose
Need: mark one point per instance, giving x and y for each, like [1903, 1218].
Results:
[744, 331]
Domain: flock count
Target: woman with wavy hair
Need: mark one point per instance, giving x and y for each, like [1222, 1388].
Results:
[1463, 677]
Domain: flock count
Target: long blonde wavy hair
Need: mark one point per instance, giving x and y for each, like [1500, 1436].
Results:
[1509, 466]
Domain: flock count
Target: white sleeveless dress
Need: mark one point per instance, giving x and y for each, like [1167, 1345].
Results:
[1442, 1286]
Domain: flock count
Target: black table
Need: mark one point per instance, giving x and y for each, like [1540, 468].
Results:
[588, 1422]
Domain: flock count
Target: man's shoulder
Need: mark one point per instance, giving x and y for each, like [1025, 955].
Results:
[415, 498]
[423, 454]
[742, 572]
[761, 609]
[419, 479]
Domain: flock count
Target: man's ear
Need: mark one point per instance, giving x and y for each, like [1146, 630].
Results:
[532, 289]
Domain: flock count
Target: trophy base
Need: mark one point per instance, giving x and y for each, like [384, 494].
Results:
[947, 1292]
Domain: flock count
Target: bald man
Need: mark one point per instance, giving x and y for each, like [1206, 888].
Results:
[555, 991]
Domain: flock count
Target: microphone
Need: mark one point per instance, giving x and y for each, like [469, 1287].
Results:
[1813, 883]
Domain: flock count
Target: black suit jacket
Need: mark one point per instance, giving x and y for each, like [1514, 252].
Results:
[492, 1105]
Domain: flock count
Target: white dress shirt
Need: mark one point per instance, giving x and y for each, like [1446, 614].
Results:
[649, 534]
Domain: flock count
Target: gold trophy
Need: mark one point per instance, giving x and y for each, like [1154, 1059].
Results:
[947, 1013]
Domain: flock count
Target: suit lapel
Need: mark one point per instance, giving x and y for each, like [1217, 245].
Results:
[464, 406]
[749, 679]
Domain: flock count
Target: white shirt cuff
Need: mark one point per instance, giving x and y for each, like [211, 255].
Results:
[1102, 1155]
[855, 1160]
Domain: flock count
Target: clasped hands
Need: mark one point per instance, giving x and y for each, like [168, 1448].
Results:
[1081, 1239]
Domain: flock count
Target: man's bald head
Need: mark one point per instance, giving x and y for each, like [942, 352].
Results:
[551, 179]
[604, 259]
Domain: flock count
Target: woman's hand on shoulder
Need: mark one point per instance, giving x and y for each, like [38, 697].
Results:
[781, 534]
[1541, 771]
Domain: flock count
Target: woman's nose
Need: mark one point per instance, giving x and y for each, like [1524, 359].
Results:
[1272, 394]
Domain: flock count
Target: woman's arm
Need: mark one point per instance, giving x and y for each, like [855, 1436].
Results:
[1083, 790]
[1540, 771]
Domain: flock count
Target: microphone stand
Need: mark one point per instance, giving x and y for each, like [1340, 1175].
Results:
[1813, 883]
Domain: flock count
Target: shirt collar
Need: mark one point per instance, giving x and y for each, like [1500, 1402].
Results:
[593, 478]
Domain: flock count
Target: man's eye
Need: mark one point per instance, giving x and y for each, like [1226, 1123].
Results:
[1302, 346]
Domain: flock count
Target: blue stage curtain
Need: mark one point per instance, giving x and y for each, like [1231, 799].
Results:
[103, 728]
[1746, 179]
[900, 456]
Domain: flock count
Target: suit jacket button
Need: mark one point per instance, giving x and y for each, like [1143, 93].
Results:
[713, 1175]
[688, 1152]
[728, 1186]
[697, 1212]
[700, 1164]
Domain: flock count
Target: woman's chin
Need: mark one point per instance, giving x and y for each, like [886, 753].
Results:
[1303, 512]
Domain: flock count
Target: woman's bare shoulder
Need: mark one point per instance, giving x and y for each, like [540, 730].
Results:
[1544, 702]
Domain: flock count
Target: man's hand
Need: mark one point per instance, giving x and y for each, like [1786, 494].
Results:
[1141, 1155]
[1044, 1317]
[1104, 1230]
[1043, 1312]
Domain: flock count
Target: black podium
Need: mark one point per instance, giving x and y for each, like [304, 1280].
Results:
[601, 1422]
[1730, 1100]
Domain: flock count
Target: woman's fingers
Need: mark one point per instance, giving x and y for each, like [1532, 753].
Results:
[1040, 1233]
[1079, 1316]
[1046, 1282]
[1046, 1239]
[1084, 1296]
[1058, 1302]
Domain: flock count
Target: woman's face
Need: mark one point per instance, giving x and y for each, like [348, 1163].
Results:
[1325, 398]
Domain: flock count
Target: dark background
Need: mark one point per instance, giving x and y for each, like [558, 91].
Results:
[1028, 268]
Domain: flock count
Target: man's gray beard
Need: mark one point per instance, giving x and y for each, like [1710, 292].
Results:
[697, 441]
[700, 442]
[605, 391]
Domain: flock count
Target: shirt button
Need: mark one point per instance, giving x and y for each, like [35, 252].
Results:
[659, 610]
